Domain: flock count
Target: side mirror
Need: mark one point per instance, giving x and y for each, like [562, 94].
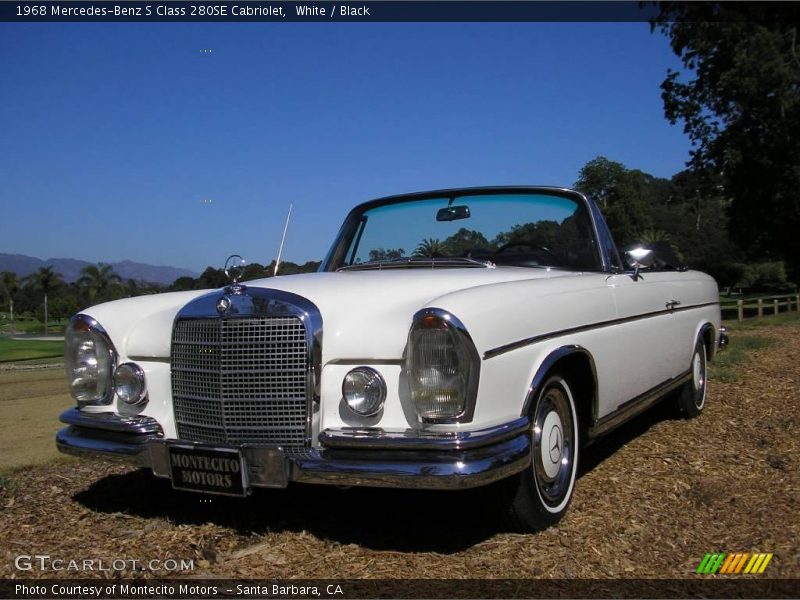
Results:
[640, 258]
[453, 213]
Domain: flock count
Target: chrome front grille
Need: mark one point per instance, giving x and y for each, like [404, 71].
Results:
[237, 380]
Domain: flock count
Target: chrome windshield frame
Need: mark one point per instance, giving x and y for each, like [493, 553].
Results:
[335, 257]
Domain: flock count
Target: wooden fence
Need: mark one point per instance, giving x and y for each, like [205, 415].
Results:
[758, 307]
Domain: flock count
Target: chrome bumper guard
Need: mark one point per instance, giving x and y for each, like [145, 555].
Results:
[723, 338]
[349, 456]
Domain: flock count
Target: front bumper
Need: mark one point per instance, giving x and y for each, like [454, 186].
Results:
[350, 456]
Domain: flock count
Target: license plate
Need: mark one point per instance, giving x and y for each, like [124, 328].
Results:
[210, 470]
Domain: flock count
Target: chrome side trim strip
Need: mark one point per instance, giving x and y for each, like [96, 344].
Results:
[581, 328]
[109, 421]
[375, 438]
[365, 361]
[633, 407]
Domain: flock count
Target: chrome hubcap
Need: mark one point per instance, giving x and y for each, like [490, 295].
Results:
[554, 445]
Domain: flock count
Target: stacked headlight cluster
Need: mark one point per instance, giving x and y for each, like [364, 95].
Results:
[443, 367]
[92, 370]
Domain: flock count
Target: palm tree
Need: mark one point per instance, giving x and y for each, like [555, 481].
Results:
[97, 279]
[430, 248]
[45, 279]
[10, 285]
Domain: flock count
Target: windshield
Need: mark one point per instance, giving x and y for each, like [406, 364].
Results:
[519, 229]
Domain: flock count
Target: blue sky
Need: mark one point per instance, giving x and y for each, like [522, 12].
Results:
[126, 141]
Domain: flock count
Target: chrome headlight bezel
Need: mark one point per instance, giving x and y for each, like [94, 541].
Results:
[371, 381]
[82, 329]
[467, 368]
[136, 374]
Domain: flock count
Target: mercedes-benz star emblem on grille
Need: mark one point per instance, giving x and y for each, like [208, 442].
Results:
[234, 268]
[223, 305]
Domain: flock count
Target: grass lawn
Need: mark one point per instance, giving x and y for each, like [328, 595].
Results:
[28, 325]
[745, 338]
[30, 402]
[13, 350]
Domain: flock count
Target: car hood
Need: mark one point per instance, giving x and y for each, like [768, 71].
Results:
[365, 314]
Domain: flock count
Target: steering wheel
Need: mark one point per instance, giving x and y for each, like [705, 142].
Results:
[536, 247]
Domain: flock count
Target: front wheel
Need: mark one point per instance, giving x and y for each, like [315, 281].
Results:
[692, 399]
[542, 492]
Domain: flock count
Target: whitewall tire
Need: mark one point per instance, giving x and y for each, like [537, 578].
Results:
[543, 491]
[692, 399]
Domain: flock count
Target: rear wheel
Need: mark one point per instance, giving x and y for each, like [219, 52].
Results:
[692, 398]
[542, 492]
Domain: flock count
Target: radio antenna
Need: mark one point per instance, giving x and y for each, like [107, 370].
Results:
[283, 239]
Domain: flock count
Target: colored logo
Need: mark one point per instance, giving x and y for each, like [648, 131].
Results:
[736, 563]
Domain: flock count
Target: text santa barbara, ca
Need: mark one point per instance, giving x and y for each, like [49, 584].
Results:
[137, 590]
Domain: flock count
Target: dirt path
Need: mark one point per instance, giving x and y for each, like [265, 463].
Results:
[651, 501]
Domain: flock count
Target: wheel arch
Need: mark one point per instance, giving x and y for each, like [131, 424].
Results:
[577, 365]
[707, 333]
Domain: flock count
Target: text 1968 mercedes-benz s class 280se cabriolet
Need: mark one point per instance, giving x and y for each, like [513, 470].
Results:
[450, 339]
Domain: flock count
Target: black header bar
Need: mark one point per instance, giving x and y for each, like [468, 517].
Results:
[361, 12]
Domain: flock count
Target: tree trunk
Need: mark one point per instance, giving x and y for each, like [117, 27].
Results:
[11, 328]
[45, 314]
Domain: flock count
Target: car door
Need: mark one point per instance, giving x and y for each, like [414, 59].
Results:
[649, 330]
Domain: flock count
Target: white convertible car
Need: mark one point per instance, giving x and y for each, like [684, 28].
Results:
[450, 339]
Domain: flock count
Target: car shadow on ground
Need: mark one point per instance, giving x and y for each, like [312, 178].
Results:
[594, 454]
[433, 521]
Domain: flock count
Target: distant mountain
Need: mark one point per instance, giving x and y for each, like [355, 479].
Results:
[70, 268]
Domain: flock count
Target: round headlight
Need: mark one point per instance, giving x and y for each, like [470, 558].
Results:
[90, 358]
[129, 384]
[364, 391]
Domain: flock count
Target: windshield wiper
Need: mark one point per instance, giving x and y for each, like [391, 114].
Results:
[414, 262]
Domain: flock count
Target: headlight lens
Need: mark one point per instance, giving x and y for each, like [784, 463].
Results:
[129, 384]
[364, 391]
[90, 358]
[443, 367]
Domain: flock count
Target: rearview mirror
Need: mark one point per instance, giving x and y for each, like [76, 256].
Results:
[453, 213]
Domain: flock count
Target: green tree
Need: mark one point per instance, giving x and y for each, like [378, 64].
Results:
[10, 286]
[380, 254]
[695, 215]
[97, 280]
[212, 278]
[44, 280]
[466, 240]
[739, 102]
[625, 196]
[182, 284]
[430, 248]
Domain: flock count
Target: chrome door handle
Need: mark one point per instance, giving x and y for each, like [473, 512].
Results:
[671, 304]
